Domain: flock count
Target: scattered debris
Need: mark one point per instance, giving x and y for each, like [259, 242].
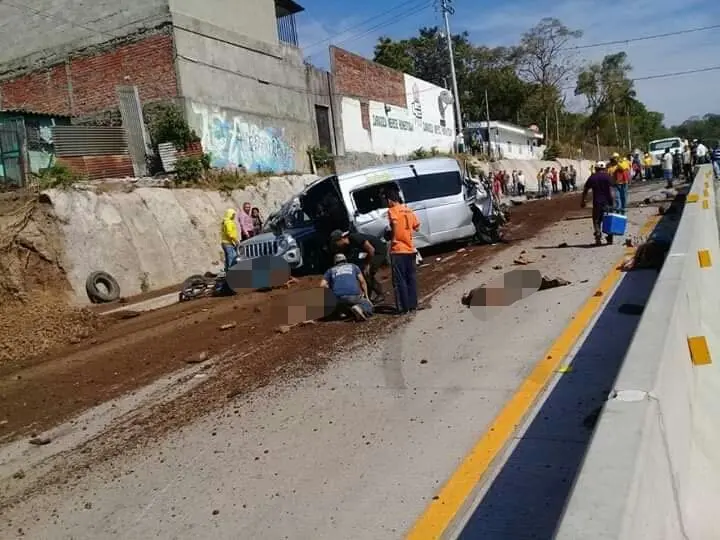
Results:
[497, 267]
[215, 512]
[552, 283]
[228, 326]
[88, 505]
[40, 441]
[563, 245]
[283, 329]
[522, 261]
[628, 242]
[423, 361]
[461, 250]
[198, 359]
[19, 475]
[598, 293]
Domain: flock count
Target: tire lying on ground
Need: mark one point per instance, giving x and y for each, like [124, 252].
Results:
[102, 288]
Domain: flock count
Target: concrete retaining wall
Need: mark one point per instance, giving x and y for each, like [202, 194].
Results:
[156, 237]
[153, 235]
[653, 468]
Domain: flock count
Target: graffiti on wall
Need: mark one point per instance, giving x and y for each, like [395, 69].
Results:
[233, 142]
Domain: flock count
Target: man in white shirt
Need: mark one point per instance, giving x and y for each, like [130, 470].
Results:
[667, 166]
[701, 153]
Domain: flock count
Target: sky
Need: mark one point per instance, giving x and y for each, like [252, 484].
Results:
[502, 23]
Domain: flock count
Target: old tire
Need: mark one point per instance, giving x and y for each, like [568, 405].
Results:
[102, 288]
[193, 287]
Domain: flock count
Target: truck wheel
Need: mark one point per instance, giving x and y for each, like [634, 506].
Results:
[102, 288]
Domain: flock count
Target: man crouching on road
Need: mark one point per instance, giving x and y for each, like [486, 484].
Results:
[348, 284]
[601, 185]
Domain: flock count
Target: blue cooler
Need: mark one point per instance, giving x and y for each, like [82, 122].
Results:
[614, 224]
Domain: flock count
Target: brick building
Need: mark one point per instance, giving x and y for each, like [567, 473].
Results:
[386, 113]
[239, 74]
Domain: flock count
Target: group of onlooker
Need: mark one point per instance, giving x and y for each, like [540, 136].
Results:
[508, 184]
[236, 227]
[552, 181]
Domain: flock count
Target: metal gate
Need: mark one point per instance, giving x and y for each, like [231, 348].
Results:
[12, 153]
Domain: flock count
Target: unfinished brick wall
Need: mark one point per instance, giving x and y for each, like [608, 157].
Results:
[365, 80]
[86, 86]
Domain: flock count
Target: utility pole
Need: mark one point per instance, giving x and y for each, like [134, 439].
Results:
[447, 9]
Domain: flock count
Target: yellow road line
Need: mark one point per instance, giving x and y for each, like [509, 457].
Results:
[438, 516]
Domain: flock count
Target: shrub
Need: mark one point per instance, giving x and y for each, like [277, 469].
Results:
[321, 157]
[168, 124]
[58, 176]
[188, 169]
[551, 153]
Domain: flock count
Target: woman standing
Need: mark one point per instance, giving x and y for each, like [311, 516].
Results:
[257, 220]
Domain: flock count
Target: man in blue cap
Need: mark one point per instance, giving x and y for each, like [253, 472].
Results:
[348, 284]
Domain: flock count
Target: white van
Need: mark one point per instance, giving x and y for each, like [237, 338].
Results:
[434, 188]
[657, 148]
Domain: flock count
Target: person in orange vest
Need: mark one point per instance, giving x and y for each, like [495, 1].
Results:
[402, 224]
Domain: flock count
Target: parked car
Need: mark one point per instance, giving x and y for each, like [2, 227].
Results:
[436, 189]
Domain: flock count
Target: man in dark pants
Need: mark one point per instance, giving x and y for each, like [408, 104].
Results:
[600, 183]
[352, 245]
[402, 224]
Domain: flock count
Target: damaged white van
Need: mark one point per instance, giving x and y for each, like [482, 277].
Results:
[436, 189]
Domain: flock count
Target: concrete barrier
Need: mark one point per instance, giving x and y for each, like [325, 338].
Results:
[652, 470]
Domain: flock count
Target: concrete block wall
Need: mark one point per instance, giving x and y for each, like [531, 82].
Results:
[254, 91]
[653, 467]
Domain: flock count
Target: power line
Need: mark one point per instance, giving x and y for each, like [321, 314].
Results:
[409, 13]
[361, 24]
[642, 38]
[668, 75]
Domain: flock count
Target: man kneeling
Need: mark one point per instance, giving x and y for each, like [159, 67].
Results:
[348, 284]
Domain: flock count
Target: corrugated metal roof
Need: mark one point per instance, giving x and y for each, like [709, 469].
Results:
[168, 156]
[89, 140]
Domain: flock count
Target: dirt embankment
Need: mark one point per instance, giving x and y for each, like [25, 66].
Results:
[34, 311]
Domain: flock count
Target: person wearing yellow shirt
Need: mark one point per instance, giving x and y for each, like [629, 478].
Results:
[648, 166]
[229, 237]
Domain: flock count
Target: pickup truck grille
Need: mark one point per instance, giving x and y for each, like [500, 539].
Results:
[259, 249]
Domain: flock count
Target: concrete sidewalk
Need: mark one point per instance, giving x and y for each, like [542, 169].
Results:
[355, 452]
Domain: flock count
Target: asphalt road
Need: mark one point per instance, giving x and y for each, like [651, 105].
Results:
[355, 451]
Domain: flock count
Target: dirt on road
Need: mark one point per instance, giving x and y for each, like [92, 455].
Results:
[130, 349]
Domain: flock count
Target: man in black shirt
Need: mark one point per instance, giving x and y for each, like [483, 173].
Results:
[376, 255]
[600, 183]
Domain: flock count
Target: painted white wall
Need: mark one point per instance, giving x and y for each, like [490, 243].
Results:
[398, 130]
[514, 145]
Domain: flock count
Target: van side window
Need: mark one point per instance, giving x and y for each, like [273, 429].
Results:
[431, 186]
[372, 197]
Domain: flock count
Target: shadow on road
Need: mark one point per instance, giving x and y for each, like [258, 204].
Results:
[528, 496]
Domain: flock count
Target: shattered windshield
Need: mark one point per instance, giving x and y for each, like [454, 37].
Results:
[290, 216]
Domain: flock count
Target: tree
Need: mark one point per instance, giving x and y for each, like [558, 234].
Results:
[477, 68]
[545, 62]
[706, 128]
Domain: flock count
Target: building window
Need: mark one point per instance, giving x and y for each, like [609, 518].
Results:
[509, 147]
[365, 114]
[285, 11]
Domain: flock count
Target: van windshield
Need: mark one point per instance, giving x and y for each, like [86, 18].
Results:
[663, 145]
[290, 216]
